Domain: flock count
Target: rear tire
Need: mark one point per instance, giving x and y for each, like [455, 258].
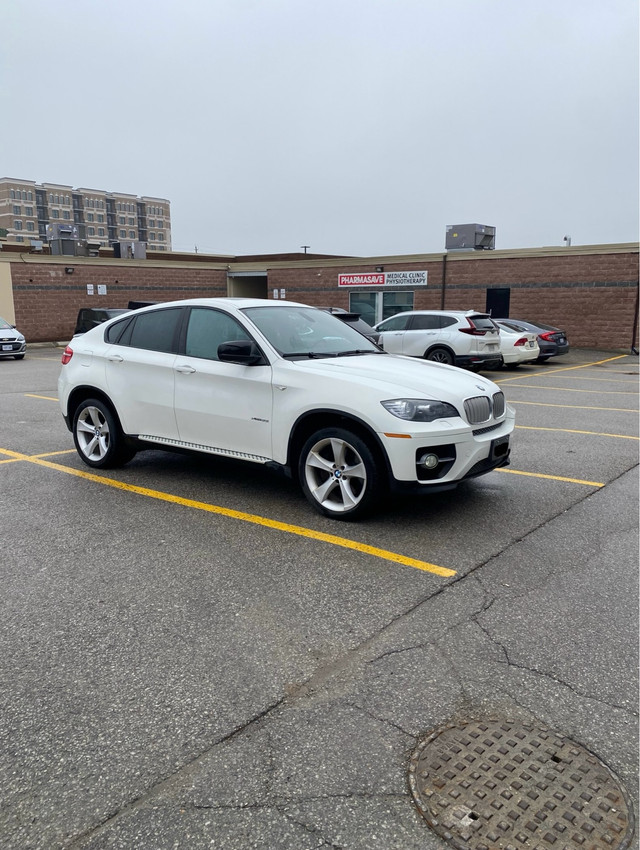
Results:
[440, 355]
[339, 475]
[98, 437]
[542, 359]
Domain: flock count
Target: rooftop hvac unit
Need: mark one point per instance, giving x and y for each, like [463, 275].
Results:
[470, 237]
[130, 250]
[61, 230]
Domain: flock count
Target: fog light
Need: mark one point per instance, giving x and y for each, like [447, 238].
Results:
[429, 461]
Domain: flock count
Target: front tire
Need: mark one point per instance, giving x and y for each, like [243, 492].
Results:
[98, 437]
[440, 355]
[339, 474]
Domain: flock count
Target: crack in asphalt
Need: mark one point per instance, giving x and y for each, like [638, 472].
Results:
[546, 674]
[353, 658]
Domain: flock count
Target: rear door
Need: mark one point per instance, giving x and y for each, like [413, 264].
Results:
[423, 332]
[139, 373]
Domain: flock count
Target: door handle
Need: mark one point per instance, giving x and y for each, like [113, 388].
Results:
[185, 369]
[115, 358]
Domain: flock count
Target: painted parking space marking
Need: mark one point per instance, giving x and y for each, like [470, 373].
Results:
[572, 390]
[552, 477]
[575, 431]
[45, 397]
[301, 531]
[575, 406]
[563, 369]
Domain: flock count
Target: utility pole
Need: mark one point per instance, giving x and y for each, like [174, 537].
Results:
[305, 247]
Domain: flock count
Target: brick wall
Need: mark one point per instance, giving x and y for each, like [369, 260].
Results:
[592, 295]
[47, 300]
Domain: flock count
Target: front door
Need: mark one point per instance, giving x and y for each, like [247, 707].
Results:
[224, 407]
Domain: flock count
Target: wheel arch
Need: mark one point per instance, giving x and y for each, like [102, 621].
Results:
[444, 347]
[81, 394]
[315, 420]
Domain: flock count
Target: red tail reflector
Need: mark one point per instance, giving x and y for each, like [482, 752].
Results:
[67, 354]
[521, 341]
[472, 331]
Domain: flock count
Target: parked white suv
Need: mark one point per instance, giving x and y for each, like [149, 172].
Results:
[455, 337]
[282, 384]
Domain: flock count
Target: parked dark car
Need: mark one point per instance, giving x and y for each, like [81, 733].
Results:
[355, 321]
[552, 341]
[91, 317]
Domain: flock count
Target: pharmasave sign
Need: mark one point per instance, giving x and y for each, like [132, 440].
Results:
[383, 279]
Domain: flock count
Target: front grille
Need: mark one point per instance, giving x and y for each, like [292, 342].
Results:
[478, 409]
[498, 405]
[481, 409]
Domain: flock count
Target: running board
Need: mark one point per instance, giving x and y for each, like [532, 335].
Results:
[197, 447]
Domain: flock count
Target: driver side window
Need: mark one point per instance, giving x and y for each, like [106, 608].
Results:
[207, 329]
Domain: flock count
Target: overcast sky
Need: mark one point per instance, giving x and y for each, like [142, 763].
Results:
[359, 127]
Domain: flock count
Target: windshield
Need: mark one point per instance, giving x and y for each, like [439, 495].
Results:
[4, 324]
[298, 332]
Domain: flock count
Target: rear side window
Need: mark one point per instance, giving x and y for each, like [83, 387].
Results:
[447, 321]
[154, 331]
[207, 329]
[114, 331]
[425, 323]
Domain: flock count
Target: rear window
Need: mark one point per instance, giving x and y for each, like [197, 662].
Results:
[483, 323]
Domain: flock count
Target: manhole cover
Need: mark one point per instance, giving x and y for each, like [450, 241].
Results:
[508, 786]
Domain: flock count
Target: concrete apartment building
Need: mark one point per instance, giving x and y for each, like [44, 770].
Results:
[49, 212]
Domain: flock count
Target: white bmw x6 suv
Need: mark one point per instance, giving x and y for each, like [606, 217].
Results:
[281, 384]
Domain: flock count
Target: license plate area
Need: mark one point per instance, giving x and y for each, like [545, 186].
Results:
[7, 348]
[499, 448]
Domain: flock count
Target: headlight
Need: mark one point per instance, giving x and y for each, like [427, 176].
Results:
[20, 338]
[419, 410]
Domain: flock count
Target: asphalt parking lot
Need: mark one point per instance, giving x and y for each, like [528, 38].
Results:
[192, 658]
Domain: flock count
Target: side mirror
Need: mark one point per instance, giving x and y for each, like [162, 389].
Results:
[242, 351]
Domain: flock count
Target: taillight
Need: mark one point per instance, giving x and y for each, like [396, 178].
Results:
[521, 341]
[472, 330]
[67, 354]
[548, 336]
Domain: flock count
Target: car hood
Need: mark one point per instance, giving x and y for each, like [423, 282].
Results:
[9, 333]
[395, 376]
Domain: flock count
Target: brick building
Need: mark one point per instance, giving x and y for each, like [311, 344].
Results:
[591, 291]
[48, 211]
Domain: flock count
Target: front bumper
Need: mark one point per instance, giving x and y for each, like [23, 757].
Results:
[465, 453]
[10, 349]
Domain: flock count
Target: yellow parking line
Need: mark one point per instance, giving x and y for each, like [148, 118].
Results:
[572, 390]
[552, 477]
[574, 431]
[239, 515]
[575, 406]
[46, 397]
[566, 368]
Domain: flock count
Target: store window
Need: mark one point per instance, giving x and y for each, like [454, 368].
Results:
[376, 306]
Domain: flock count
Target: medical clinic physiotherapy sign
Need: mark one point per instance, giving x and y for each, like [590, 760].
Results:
[383, 279]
